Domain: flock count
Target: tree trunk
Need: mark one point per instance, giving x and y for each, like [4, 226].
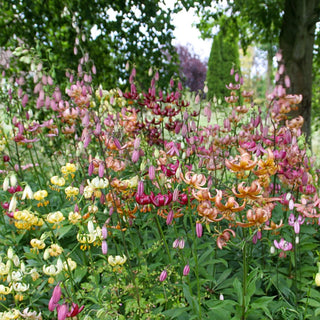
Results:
[296, 44]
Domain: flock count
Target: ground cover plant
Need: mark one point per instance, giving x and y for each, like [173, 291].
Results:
[144, 205]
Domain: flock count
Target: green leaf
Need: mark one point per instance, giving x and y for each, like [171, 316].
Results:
[238, 290]
[311, 302]
[225, 274]
[63, 231]
[191, 300]
[79, 273]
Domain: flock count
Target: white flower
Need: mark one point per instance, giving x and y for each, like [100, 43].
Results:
[53, 270]
[98, 183]
[13, 180]
[117, 260]
[13, 204]
[5, 185]
[4, 269]
[27, 193]
[15, 276]
[26, 314]
[20, 287]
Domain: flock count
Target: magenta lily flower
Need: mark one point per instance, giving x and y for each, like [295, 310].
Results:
[283, 245]
[142, 198]
[160, 200]
[75, 310]
[171, 169]
[295, 222]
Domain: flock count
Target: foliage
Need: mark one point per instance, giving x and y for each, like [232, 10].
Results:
[124, 31]
[192, 69]
[224, 56]
[142, 205]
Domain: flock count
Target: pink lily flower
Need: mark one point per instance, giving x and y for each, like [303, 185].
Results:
[283, 245]
[295, 222]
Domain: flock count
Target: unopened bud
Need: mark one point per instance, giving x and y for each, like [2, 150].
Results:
[104, 247]
[152, 173]
[169, 217]
[13, 180]
[163, 275]
[199, 229]
[181, 244]
[186, 270]
[175, 244]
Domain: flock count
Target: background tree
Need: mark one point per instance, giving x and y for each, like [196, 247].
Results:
[192, 69]
[224, 56]
[136, 31]
[288, 25]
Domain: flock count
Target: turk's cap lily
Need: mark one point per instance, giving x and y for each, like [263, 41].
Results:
[117, 260]
[283, 245]
[75, 310]
[27, 193]
[160, 200]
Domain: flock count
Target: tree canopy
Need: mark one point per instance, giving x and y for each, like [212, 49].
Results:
[224, 56]
[140, 32]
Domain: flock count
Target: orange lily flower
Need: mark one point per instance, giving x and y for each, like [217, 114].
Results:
[255, 217]
[224, 237]
[197, 180]
[208, 213]
[268, 166]
[202, 195]
[230, 207]
[241, 163]
[251, 192]
[127, 212]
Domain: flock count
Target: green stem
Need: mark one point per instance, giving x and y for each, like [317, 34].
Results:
[163, 237]
[195, 256]
[35, 169]
[244, 284]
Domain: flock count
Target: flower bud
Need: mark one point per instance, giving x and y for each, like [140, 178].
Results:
[104, 247]
[181, 244]
[317, 279]
[101, 169]
[152, 173]
[186, 270]
[10, 253]
[5, 185]
[135, 156]
[199, 229]
[221, 297]
[104, 232]
[140, 188]
[169, 217]
[272, 249]
[163, 275]
[13, 204]
[175, 244]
